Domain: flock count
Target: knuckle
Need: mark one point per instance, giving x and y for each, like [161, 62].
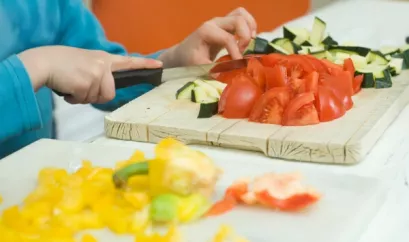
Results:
[241, 10]
[83, 86]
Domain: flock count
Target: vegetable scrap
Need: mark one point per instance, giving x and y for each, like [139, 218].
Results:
[303, 78]
[283, 192]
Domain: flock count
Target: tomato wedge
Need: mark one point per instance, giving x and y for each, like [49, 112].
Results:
[328, 105]
[301, 111]
[270, 106]
[238, 98]
[349, 66]
[256, 70]
[331, 67]
[341, 85]
[297, 85]
[271, 60]
[317, 64]
[357, 83]
[275, 76]
[311, 82]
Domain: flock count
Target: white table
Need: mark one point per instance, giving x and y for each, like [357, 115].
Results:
[370, 23]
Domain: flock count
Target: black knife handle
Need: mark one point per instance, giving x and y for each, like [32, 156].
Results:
[128, 78]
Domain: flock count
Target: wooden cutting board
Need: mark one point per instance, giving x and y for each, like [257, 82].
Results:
[347, 206]
[347, 140]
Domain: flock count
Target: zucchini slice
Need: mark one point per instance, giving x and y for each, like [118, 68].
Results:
[220, 86]
[320, 54]
[292, 33]
[386, 50]
[358, 50]
[185, 92]
[396, 66]
[287, 45]
[278, 49]
[211, 91]
[258, 46]
[383, 79]
[329, 41]
[318, 31]
[377, 58]
[208, 109]
[199, 95]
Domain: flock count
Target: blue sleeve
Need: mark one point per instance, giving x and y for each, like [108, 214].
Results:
[18, 103]
[80, 28]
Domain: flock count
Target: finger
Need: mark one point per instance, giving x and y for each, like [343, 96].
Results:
[93, 92]
[212, 34]
[251, 21]
[127, 62]
[106, 88]
[71, 100]
[236, 25]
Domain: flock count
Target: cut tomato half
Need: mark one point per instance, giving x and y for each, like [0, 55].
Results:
[238, 98]
[328, 105]
[270, 106]
[301, 111]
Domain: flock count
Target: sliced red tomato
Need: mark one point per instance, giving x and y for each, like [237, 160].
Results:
[256, 70]
[271, 60]
[295, 202]
[297, 85]
[270, 106]
[349, 66]
[301, 111]
[341, 85]
[228, 76]
[311, 82]
[331, 67]
[238, 99]
[317, 64]
[222, 206]
[275, 76]
[328, 105]
[357, 83]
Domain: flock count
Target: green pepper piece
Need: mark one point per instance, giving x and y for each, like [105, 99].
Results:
[164, 208]
[121, 176]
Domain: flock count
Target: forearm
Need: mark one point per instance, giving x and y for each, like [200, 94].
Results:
[18, 103]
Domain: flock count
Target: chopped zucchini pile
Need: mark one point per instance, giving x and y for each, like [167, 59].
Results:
[205, 92]
[377, 66]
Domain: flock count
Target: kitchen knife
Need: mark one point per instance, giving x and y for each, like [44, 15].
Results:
[158, 76]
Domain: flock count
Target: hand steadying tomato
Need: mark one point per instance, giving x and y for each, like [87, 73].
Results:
[270, 106]
[238, 98]
[301, 111]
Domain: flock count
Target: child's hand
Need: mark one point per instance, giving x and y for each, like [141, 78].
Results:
[85, 74]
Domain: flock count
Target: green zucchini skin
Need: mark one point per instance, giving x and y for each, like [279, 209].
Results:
[207, 110]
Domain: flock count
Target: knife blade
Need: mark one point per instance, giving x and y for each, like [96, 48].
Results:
[157, 76]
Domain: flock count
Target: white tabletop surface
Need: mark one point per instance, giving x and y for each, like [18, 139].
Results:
[369, 23]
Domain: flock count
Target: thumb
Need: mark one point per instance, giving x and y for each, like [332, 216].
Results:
[119, 62]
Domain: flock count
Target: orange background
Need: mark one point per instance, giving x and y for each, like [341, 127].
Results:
[146, 26]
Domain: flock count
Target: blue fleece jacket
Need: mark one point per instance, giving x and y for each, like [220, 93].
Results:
[25, 115]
